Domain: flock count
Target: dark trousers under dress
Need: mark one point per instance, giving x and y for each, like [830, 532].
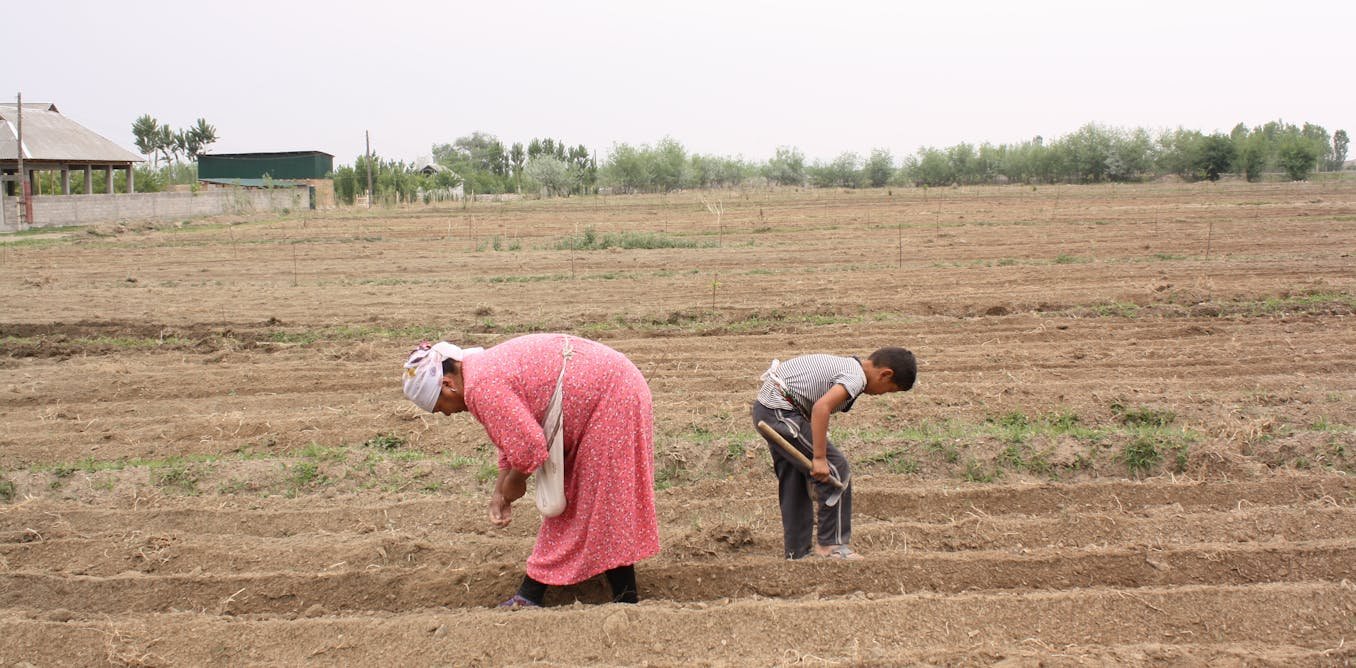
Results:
[794, 486]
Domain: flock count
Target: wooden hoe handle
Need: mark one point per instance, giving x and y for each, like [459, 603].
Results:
[792, 452]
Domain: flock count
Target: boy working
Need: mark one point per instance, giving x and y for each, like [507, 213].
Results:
[796, 399]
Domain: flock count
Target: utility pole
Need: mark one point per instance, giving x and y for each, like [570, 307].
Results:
[368, 136]
[25, 188]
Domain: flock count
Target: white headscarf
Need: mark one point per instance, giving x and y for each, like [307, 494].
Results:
[424, 371]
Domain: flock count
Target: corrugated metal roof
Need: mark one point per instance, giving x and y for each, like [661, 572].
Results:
[255, 183]
[262, 154]
[50, 136]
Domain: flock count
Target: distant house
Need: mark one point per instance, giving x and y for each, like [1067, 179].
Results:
[55, 143]
[427, 166]
[282, 169]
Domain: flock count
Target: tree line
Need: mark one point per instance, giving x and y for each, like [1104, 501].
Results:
[1097, 154]
[481, 163]
[162, 142]
[393, 182]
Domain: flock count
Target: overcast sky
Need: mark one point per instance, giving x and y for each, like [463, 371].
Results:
[725, 77]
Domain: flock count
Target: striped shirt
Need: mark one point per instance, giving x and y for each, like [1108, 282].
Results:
[810, 377]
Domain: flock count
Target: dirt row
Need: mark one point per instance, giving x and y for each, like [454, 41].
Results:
[1293, 623]
[409, 556]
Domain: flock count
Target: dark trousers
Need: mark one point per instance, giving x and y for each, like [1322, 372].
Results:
[794, 486]
[621, 579]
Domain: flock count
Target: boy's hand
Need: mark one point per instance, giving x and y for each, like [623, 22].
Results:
[819, 469]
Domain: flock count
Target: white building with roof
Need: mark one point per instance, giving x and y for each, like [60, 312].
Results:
[54, 143]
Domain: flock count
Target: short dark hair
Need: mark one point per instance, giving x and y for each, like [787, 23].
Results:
[901, 362]
[451, 367]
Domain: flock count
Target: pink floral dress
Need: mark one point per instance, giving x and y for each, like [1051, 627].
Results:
[609, 518]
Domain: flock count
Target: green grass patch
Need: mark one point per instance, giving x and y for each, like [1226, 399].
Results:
[1142, 416]
[7, 490]
[175, 474]
[303, 474]
[976, 472]
[896, 460]
[1117, 309]
[385, 442]
[116, 342]
[322, 453]
[1325, 424]
[354, 333]
[1304, 303]
[1142, 454]
[668, 475]
[498, 243]
[591, 240]
[534, 278]
[488, 472]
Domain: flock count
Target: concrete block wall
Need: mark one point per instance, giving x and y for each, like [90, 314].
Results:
[66, 210]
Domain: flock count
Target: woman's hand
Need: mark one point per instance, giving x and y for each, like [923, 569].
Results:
[501, 510]
[510, 487]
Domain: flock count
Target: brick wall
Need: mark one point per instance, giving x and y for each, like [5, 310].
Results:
[63, 210]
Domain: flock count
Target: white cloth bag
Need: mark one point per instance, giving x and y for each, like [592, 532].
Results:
[551, 473]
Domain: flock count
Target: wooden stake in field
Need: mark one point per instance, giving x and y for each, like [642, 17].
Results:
[1209, 236]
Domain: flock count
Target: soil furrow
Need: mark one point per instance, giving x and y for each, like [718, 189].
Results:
[458, 585]
[1304, 621]
[178, 552]
[881, 498]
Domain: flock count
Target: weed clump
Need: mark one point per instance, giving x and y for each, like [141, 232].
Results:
[591, 240]
[385, 442]
[1142, 454]
[1142, 416]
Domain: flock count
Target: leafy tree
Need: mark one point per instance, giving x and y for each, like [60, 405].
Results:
[627, 168]
[1318, 137]
[165, 143]
[193, 140]
[1213, 156]
[552, 174]
[1339, 150]
[1176, 154]
[1297, 156]
[146, 131]
[931, 167]
[517, 158]
[879, 168]
[963, 163]
[1088, 151]
[668, 169]
[1131, 156]
[1250, 151]
[583, 168]
[787, 167]
[844, 172]
[161, 142]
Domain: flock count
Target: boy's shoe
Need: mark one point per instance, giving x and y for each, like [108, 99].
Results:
[839, 552]
[518, 601]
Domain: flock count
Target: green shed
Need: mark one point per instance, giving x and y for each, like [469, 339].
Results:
[279, 165]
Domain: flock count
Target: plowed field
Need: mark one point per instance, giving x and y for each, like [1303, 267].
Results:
[1132, 440]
